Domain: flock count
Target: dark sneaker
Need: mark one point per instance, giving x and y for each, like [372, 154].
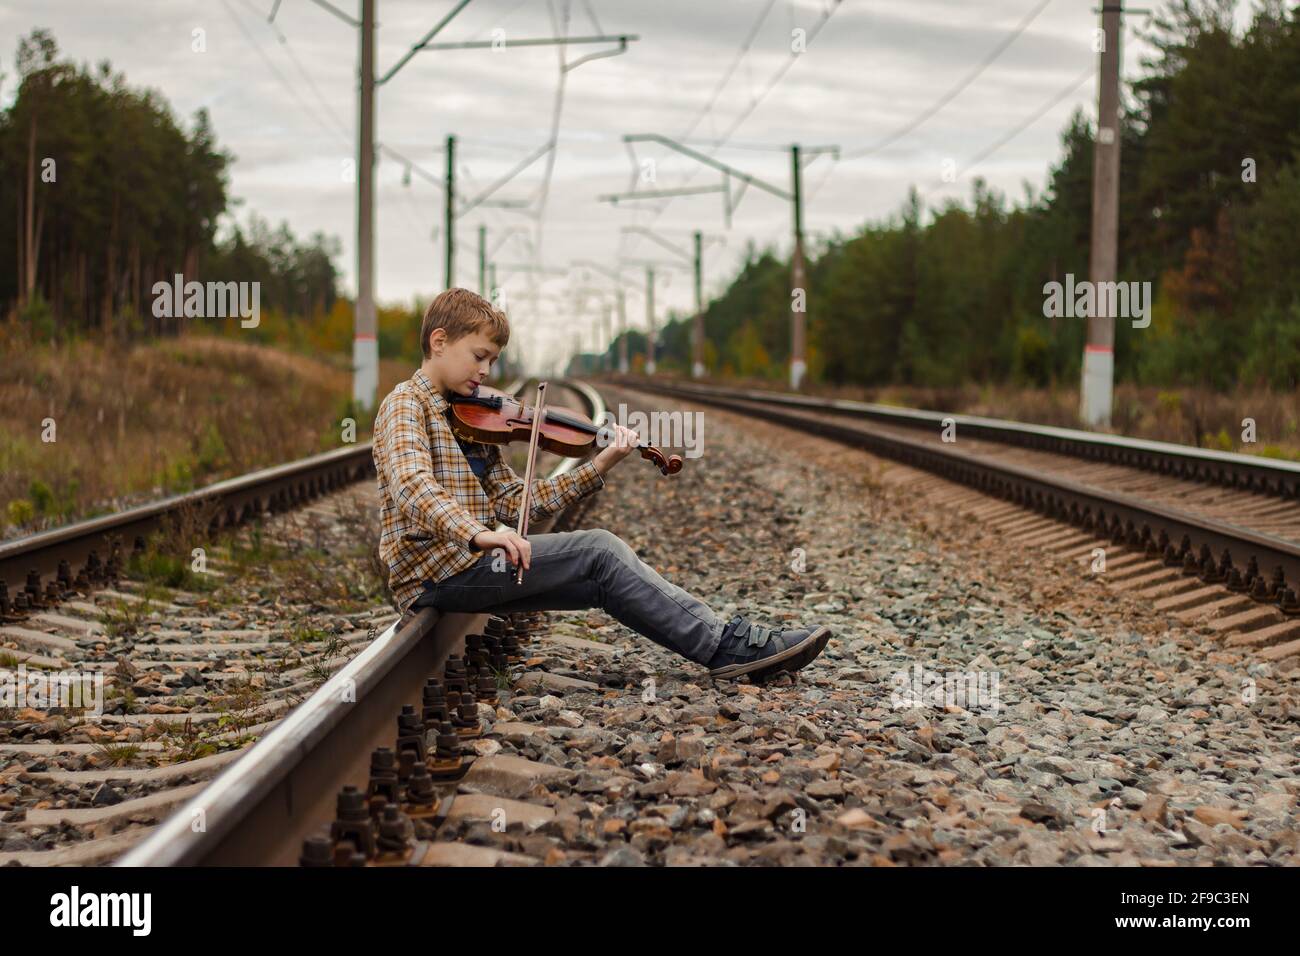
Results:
[758, 651]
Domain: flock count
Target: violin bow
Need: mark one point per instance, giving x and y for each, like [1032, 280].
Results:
[525, 505]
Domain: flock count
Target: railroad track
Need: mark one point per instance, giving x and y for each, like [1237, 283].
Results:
[188, 676]
[184, 674]
[341, 780]
[1211, 537]
[361, 733]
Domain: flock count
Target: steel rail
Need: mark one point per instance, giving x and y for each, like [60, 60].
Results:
[225, 503]
[261, 808]
[1230, 469]
[1181, 539]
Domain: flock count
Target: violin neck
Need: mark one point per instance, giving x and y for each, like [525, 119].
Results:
[586, 427]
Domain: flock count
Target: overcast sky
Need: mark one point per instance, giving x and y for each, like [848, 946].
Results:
[283, 100]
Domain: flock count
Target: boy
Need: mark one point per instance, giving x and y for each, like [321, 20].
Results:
[441, 497]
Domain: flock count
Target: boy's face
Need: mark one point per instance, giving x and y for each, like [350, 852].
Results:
[463, 364]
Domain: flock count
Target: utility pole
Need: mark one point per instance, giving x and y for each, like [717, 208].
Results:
[799, 294]
[365, 345]
[799, 290]
[697, 337]
[616, 276]
[696, 258]
[605, 310]
[482, 260]
[650, 320]
[622, 333]
[1097, 387]
[450, 225]
[365, 351]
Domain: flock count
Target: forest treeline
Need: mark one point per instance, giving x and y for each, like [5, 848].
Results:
[106, 193]
[1209, 201]
[1209, 207]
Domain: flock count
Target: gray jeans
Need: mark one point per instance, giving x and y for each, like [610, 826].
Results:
[575, 570]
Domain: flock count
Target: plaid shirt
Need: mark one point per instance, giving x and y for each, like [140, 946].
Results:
[437, 491]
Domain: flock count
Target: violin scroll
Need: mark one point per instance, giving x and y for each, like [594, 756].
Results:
[667, 464]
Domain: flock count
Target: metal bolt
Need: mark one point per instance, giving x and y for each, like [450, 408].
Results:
[352, 822]
[316, 851]
[383, 775]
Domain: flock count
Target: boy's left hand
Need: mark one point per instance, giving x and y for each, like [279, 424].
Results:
[622, 441]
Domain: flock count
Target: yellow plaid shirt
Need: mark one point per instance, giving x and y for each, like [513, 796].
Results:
[432, 501]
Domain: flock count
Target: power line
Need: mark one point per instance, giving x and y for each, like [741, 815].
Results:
[560, 28]
[275, 71]
[956, 90]
[1019, 128]
[726, 77]
[745, 46]
[827, 13]
[326, 108]
[946, 98]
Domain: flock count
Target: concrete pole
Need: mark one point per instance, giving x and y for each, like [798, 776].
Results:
[622, 333]
[697, 328]
[450, 225]
[650, 320]
[798, 280]
[365, 346]
[482, 260]
[605, 359]
[1096, 389]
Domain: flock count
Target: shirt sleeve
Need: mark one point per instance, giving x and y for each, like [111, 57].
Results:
[549, 496]
[409, 460]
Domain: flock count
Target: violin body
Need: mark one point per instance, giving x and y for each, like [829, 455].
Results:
[495, 418]
[511, 420]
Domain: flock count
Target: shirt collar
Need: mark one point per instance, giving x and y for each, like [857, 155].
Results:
[439, 401]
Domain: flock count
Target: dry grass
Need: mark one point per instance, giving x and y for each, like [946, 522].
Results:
[138, 422]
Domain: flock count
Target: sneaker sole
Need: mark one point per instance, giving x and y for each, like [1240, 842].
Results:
[791, 659]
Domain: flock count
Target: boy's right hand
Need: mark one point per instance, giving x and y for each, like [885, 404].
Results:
[518, 550]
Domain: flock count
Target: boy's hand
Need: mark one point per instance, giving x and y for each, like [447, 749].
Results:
[621, 442]
[518, 550]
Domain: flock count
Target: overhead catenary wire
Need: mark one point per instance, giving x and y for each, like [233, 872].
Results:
[953, 92]
[943, 100]
[756, 101]
[1089, 72]
[275, 71]
[326, 108]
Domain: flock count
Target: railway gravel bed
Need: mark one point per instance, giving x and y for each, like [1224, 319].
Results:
[190, 678]
[1122, 734]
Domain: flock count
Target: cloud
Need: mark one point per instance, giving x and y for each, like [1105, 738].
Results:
[277, 106]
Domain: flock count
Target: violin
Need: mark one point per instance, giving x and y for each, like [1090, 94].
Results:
[495, 418]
